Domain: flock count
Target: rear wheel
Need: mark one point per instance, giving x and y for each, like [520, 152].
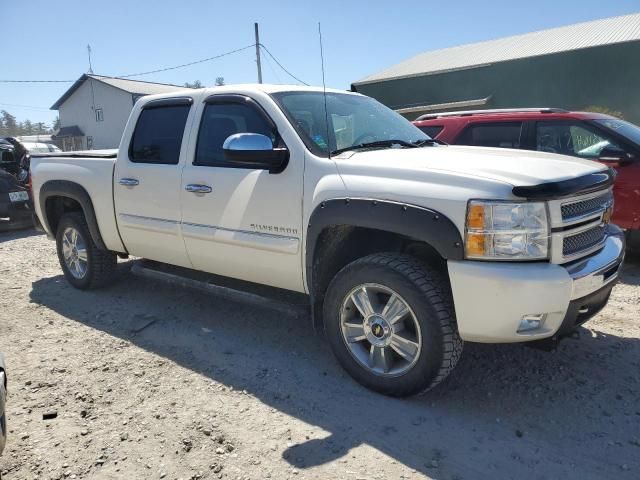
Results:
[84, 265]
[390, 323]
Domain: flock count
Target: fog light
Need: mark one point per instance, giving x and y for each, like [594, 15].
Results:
[531, 322]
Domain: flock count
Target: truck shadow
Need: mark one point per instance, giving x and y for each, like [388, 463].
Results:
[11, 233]
[507, 411]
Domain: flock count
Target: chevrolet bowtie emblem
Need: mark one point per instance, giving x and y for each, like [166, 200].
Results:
[606, 216]
[377, 330]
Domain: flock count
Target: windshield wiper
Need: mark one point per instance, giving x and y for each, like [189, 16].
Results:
[379, 143]
[428, 141]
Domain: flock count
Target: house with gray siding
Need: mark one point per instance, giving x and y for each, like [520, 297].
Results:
[95, 110]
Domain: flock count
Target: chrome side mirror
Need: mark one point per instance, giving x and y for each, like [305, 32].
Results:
[256, 151]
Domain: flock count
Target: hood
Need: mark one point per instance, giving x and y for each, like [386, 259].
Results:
[514, 167]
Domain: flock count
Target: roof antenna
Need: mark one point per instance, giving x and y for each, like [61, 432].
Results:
[89, 54]
[324, 92]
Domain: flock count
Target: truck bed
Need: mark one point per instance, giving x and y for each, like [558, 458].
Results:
[91, 170]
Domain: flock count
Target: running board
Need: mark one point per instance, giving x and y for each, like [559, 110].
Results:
[185, 278]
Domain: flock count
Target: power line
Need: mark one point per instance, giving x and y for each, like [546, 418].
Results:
[142, 73]
[175, 67]
[23, 106]
[37, 81]
[280, 65]
[272, 69]
[187, 64]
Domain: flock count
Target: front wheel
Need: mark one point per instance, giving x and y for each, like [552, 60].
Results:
[84, 265]
[390, 323]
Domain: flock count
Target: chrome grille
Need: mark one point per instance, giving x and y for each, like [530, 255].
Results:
[583, 241]
[585, 207]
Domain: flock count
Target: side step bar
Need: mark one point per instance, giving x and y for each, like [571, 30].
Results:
[185, 278]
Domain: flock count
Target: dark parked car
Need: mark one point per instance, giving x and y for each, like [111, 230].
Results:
[592, 136]
[15, 203]
[9, 161]
[3, 399]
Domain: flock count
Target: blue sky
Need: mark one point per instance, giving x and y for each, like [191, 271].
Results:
[43, 39]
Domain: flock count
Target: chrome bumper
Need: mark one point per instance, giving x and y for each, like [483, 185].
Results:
[594, 272]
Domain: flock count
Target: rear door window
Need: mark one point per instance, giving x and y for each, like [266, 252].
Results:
[431, 130]
[495, 134]
[158, 135]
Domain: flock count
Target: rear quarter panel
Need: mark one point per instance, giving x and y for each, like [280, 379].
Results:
[95, 175]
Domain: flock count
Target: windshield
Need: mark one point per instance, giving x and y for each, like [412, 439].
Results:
[353, 120]
[626, 129]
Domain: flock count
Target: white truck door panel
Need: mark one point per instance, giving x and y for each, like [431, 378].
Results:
[147, 183]
[249, 225]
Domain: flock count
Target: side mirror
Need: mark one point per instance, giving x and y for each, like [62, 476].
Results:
[253, 150]
[614, 156]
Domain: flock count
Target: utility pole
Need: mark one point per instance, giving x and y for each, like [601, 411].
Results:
[258, 53]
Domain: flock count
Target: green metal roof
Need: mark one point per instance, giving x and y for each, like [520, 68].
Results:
[544, 42]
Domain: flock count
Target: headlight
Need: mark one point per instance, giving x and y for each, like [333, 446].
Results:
[506, 231]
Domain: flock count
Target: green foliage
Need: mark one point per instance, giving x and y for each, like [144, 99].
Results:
[219, 81]
[196, 84]
[604, 110]
[10, 127]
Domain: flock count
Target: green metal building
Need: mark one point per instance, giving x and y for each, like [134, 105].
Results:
[577, 67]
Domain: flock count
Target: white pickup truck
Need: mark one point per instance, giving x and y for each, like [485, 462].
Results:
[404, 247]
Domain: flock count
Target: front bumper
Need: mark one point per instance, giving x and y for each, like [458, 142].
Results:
[492, 298]
[16, 214]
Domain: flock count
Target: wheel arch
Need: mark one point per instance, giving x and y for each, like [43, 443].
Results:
[344, 229]
[59, 196]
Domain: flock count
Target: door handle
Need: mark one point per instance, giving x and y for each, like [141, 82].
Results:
[129, 182]
[196, 188]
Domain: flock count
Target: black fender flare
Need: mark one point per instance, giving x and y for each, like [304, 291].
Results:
[412, 221]
[65, 188]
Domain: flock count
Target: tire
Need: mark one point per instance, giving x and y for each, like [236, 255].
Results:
[428, 327]
[633, 241]
[99, 265]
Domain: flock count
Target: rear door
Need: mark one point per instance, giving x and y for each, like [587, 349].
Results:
[147, 182]
[242, 222]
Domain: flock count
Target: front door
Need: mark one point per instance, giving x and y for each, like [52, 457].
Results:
[147, 183]
[241, 222]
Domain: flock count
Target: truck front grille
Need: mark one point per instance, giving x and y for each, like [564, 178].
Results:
[578, 225]
[573, 244]
[586, 207]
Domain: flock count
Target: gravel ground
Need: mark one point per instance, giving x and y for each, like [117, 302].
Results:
[150, 381]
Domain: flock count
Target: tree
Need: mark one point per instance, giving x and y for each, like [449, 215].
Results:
[605, 110]
[219, 81]
[9, 123]
[196, 84]
[26, 128]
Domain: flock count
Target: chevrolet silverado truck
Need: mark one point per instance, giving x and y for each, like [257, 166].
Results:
[404, 247]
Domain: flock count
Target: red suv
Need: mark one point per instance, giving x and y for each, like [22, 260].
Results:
[591, 136]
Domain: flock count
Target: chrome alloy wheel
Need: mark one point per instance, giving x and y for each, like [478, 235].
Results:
[74, 249]
[380, 330]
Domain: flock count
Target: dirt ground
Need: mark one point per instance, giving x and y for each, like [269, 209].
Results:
[151, 381]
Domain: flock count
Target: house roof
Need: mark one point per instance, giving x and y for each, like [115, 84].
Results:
[72, 131]
[607, 31]
[137, 87]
